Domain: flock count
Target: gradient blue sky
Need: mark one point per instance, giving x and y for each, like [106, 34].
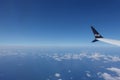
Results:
[57, 22]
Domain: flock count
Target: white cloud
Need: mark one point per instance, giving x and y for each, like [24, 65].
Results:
[60, 57]
[114, 58]
[81, 56]
[88, 75]
[96, 56]
[116, 70]
[107, 76]
[57, 75]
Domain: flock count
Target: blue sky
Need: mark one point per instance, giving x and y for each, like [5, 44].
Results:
[57, 22]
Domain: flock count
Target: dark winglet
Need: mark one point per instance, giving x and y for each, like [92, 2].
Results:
[96, 34]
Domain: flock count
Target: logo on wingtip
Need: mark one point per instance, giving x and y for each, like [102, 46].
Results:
[97, 35]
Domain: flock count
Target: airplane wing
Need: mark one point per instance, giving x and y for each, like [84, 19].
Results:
[99, 37]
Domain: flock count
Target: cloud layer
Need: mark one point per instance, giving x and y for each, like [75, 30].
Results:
[108, 76]
[94, 56]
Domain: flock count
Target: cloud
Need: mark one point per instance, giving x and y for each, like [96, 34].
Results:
[88, 74]
[57, 75]
[108, 76]
[114, 58]
[116, 70]
[81, 56]
[60, 57]
[96, 56]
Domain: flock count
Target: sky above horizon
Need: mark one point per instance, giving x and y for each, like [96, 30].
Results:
[57, 22]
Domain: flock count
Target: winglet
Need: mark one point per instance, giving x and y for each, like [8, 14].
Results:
[96, 34]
